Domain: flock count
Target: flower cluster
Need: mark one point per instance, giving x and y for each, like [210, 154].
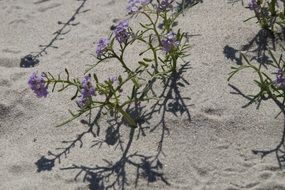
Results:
[165, 5]
[102, 46]
[37, 84]
[122, 98]
[172, 44]
[280, 78]
[135, 5]
[252, 5]
[269, 87]
[114, 81]
[169, 42]
[87, 92]
[121, 31]
[269, 14]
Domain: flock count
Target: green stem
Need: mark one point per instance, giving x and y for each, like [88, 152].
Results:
[174, 58]
[153, 49]
[61, 81]
[127, 116]
[120, 58]
[154, 27]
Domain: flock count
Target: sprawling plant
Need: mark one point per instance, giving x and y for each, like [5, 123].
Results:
[124, 97]
[271, 84]
[269, 13]
[163, 48]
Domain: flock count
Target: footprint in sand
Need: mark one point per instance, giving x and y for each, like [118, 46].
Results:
[213, 113]
[20, 169]
[16, 169]
[5, 110]
[51, 6]
[18, 76]
[13, 9]
[271, 186]
[7, 50]
[41, 1]
[265, 175]
[5, 83]
[18, 21]
[246, 185]
[16, 7]
[9, 62]
[272, 168]
[16, 105]
[112, 2]
[202, 174]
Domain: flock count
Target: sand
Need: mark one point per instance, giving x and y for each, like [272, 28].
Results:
[208, 149]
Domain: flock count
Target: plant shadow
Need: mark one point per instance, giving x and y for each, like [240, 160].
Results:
[257, 46]
[186, 4]
[279, 150]
[32, 59]
[235, 1]
[147, 166]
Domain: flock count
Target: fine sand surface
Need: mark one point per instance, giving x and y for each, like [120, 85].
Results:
[212, 151]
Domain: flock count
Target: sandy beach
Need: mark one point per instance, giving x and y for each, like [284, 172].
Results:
[205, 145]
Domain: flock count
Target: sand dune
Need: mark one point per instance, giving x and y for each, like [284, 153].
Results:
[209, 148]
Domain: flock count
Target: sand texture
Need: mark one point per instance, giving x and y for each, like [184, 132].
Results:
[206, 137]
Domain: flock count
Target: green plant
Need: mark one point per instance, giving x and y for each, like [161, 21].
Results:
[163, 47]
[271, 87]
[269, 13]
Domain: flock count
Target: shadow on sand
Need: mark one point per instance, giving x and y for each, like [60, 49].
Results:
[279, 150]
[114, 175]
[32, 59]
[186, 4]
[258, 47]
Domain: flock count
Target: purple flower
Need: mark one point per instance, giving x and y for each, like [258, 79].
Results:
[115, 82]
[87, 92]
[121, 31]
[113, 79]
[280, 79]
[165, 5]
[37, 84]
[135, 5]
[145, 2]
[169, 42]
[252, 4]
[101, 46]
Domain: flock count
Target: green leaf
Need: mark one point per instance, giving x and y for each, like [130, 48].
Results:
[120, 79]
[249, 19]
[143, 63]
[66, 71]
[95, 78]
[147, 60]
[273, 57]
[75, 95]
